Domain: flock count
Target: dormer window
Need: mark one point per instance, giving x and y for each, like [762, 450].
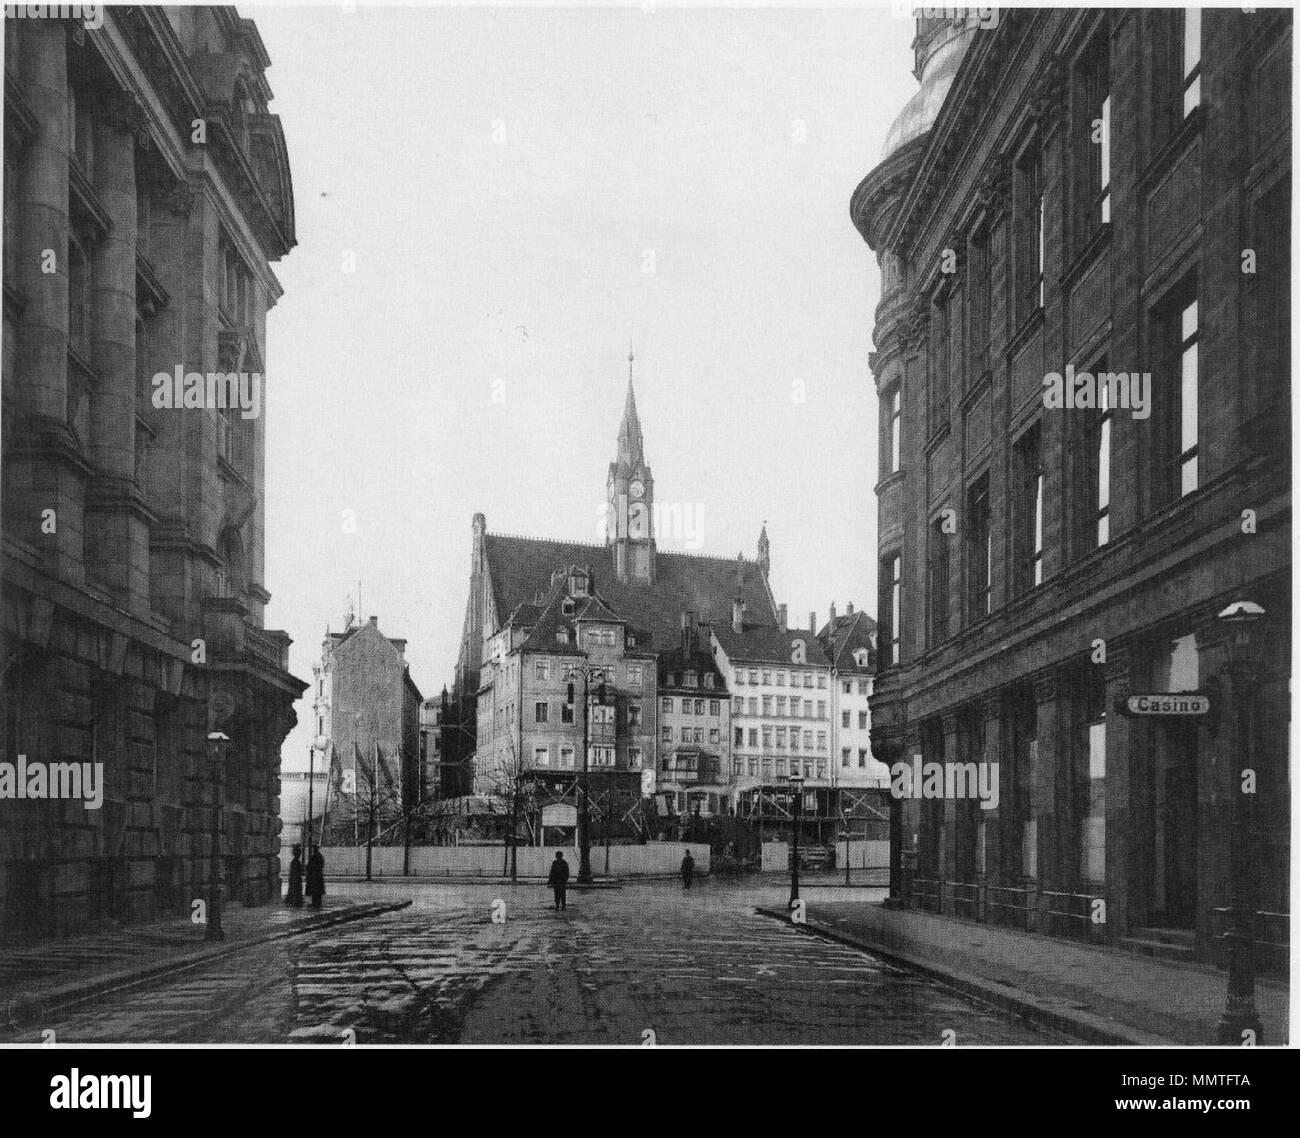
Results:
[860, 657]
[578, 584]
[630, 639]
[570, 607]
[691, 680]
[708, 680]
[562, 635]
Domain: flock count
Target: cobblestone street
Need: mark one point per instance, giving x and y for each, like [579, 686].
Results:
[691, 967]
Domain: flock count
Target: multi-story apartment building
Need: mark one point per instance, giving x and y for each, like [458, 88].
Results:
[852, 653]
[367, 709]
[779, 680]
[565, 669]
[1080, 196]
[693, 774]
[146, 191]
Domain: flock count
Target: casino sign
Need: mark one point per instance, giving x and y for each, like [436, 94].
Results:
[1165, 703]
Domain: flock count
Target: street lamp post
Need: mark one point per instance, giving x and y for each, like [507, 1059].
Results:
[796, 787]
[1240, 1015]
[217, 743]
[584, 816]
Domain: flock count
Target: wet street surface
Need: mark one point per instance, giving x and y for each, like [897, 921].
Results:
[643, 963]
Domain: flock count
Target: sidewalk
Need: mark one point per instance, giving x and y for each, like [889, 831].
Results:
[39, 979]
[1098, 995]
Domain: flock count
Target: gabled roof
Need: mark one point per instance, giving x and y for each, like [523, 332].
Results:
[518, 567]
[852, 631]
[768, 644]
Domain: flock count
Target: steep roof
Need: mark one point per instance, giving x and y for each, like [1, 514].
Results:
[768, 644]
[852, 631]
[520, 567]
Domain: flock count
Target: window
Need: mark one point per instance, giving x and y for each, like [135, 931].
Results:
[686, 734]
[1027, 204]
[569, 607]
[668, 704]
[666, 734]
[566, 713]
[979, 551]
[634, 715]
[691, 680]
[767, 768]
[753, 677]
[1091, 139]
[753, 736]
[541, 756]
[894, 443]
[939, 587]
[715, 707]
[848, 687]
[753, 705]
[978, 305]
[845, 720]
[602, 756]
[821, 682]
[821, 709]
[780, 738]
[862, 720]
[821, 740]
[1027, 460]
[780, 679]
[738, 705]
[807, 709]
[940, 363]
[767, 677]
[708, 679]
[807, 740]
[1095, 483]
[844, 757]
[1191, 60]
[753, 767]
[686, 707]
[699, 707]
[794, 738]
[737, 767]
[740, 737]
[1177, 393]
[780, 705]
[780, 767]
[862, 757]
[541, 712]
[767, 737]
[697, 735]
[739, 678]
[634, 675]
[542, 669]
[821, 768]
[891, 609]
[634, 758]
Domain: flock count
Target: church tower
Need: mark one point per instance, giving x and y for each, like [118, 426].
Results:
[630, 493]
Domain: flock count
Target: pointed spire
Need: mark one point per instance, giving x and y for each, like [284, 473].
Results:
[630, 452]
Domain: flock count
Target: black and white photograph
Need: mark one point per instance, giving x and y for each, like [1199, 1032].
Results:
[649, 524]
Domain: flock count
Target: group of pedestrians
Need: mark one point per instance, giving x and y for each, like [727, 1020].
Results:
[315, 878]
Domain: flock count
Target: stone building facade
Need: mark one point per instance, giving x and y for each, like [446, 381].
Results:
[1078, 192]
[146, 191]
[367, 709]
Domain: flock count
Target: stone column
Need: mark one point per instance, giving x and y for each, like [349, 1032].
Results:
[1120, 739]
[44, 471]
[1042, 809]
[117, 532]
[991, 835]
[948, 840]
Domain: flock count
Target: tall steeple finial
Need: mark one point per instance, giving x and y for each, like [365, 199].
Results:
[630, 447]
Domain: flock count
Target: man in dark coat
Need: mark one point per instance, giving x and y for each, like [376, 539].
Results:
[315, 877]
[559, 878]
[688, 870]
[294, 896]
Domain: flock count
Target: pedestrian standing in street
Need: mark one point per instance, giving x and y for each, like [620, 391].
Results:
[315, 877]
[559, 878]
[294, 897]
[688, 870]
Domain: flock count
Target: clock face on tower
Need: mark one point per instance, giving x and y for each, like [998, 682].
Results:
[637, 489]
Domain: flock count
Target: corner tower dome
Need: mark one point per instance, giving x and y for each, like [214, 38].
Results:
[939, 46]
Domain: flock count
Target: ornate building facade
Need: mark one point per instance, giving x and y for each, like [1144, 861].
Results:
[146, 191]
[1080, 195]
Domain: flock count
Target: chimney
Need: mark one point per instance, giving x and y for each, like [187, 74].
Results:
[832, 616]
[781, 617]
[375, 621]
[812, 622]
[850, 608]
[737, 616]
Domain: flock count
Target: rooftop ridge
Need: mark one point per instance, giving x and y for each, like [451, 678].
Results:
[604, 548]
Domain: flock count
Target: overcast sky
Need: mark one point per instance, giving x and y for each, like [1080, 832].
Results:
[523, 192]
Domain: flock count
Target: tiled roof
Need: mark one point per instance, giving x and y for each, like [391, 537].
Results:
[852, 631]
[520, 567]
[768, 644]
